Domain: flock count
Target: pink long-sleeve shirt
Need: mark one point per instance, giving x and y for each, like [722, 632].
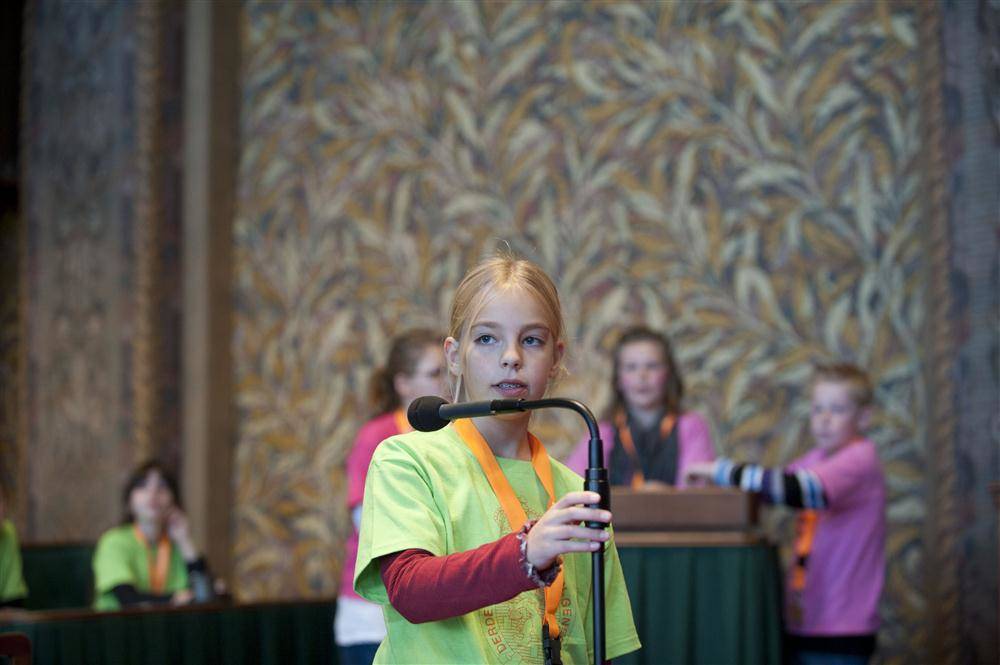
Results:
[372, 433]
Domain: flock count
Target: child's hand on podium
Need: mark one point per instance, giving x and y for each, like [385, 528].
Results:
[700, 471]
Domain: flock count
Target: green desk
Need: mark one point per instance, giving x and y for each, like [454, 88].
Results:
[715, 602]
[265, 633]
[704, 604]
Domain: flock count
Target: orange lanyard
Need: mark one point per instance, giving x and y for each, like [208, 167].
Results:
[516, 516]
[402, 422]
[805, 534]
[158, 570]
[625, 436]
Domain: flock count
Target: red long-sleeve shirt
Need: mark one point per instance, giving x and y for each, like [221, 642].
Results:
[423, 587]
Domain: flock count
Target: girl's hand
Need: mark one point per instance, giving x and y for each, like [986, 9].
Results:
[654, 486]
[180, 533]
[182, 597]
[700, 471]
[559, 531]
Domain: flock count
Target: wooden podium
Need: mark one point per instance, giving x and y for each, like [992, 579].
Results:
[704, 585]
[690, 517]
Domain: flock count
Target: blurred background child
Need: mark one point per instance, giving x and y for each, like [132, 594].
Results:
[649, 440]
[414, 368]
[150, 559]
[835, 581]
[13, 590]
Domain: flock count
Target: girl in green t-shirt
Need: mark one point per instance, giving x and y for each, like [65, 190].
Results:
[471, 537]
[13, 590]
[151, 558]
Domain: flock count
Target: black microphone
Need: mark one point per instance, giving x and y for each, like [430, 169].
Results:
[431, 413]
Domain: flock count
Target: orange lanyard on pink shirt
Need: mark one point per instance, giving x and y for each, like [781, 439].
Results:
[625, 436]
[402, 423]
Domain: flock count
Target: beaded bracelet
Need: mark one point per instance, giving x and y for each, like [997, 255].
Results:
[542, 578]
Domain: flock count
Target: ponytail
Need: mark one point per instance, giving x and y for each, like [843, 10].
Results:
[382, 391]
[404, 354]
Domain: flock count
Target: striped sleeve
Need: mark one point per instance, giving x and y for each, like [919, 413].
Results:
[797, 489]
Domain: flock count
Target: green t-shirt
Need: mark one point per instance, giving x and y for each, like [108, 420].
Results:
[427, 491]
[120, 558]
[12, 584]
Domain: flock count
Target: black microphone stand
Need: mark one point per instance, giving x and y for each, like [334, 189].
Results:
[596, 480]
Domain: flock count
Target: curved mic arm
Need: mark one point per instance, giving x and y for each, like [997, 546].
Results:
[597, 474]
[572, 405]
[596, 481]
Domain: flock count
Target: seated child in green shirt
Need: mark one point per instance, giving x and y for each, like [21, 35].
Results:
[150, 559]
[13, 590]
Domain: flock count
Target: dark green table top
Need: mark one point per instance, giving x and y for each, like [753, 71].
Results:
[692, 604]
[266, 633]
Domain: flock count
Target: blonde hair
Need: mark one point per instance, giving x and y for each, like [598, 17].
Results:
[856, 379]
[503, 272]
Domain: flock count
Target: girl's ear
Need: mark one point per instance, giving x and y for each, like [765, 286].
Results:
[557, 359]
[401, 384]
[864, 418]
[451, 354]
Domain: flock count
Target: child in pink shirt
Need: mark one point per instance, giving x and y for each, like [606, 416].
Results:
[649, 440]
[414, 368]
[834, 585]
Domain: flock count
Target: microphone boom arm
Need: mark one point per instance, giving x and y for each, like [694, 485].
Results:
[596, 480]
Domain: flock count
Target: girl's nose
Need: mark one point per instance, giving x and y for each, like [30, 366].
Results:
[510, 358]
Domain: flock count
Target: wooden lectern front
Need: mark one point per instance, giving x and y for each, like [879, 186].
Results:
[704, 586]
[690, 517]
